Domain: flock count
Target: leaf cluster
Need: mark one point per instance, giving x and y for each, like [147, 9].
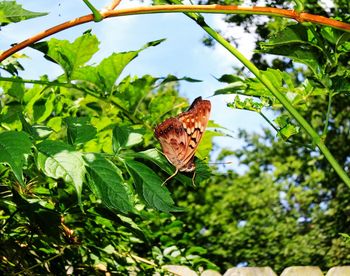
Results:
[78, 162]
[324, 56]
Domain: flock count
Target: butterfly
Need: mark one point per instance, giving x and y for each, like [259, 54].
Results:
[179, 136]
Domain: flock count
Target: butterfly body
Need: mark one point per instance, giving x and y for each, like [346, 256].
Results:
[179, 136]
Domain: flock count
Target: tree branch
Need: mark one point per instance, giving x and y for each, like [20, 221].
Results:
[300, 17]
[112, 5]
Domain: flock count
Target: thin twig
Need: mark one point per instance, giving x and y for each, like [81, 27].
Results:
[300, 17]
[41, 263]
[112, 5]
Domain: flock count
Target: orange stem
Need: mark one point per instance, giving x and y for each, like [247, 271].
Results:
[113, 5]
[300, 17]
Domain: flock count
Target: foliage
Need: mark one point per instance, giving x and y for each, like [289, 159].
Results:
[81, 180]
[80, 148]
[265, 28]
[325, 78]
[11, 12]
[288, 207]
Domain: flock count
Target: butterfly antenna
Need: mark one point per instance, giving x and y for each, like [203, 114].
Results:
[220, 163]
[170, 177]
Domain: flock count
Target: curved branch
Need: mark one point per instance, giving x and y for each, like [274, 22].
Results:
[300, 17]
[112, 5]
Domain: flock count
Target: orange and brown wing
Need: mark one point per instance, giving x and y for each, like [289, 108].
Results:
[180, 136]
[194, 122]
[173, 139]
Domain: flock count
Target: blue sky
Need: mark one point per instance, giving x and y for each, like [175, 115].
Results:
[182, 54]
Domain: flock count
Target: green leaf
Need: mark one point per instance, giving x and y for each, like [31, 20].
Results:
[131, 92]
[59, 160]
[79, 130]
[120, 137]
[232, 88]
[275, 76]
[298, 43]
[282, 121]
[47, 220]
[70, 56]
[165, 103]
[227, 78]
[303, 55]
[293, 34]
[125, 137]
[157, 158]
[196, 250]
[43, 108]
[153, 43]
[14, 145]
[203, 172]
[16, 90]
[9, 115]
[38, 132]
[10, 11]
[246, 104]
[106, 182]
[12, 64]
[249, 87]
[110, 68]
[343, 41]
[155, 195]
[105, 74]
[206, 144]
[287, 129]
[171, 78]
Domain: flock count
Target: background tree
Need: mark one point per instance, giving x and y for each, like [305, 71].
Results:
[288, 207]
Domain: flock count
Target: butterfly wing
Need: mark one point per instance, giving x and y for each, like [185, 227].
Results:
[180, 136]
[173, 140]
[194, 122]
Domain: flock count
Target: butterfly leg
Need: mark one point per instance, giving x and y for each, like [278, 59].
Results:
[193, 178]
[170, 177]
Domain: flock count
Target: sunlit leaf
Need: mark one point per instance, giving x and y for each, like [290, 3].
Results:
[37, 132]
[59, 160]
[233, 87]
[226, 78]
[302, 48]
[16, 90]
[70, 55]
[246, 104]
[125, 137]
[14, 145]
[106, 73]
[131, 91]
[10, 11]
[79, 130]
[287, 129]
[171, 78]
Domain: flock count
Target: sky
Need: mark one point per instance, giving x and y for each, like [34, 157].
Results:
[182, 54]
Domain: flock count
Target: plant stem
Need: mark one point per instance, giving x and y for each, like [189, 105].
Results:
[268, 121]
[300, 17]
[97, 15]
[328, 114]
[283, 100]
